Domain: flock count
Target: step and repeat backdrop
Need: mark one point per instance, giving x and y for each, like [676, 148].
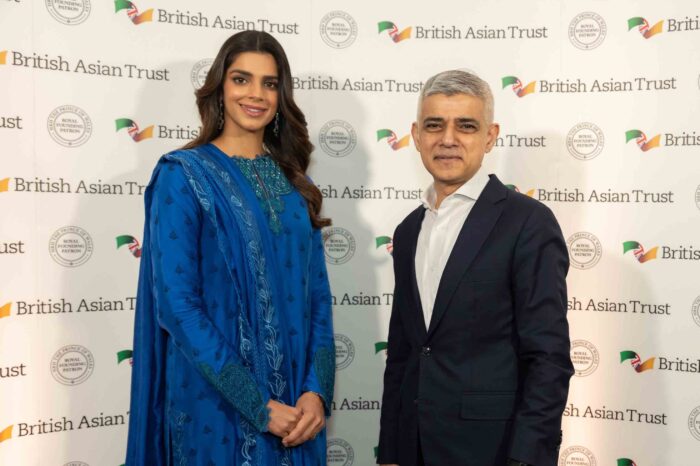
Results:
[599, 104]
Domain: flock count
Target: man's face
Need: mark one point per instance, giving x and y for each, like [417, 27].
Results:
[452, 136]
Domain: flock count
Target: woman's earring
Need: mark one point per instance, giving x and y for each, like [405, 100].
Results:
[276, 128]
[221, 114]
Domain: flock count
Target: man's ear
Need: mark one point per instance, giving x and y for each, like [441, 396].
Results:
[492, 136]
[416, 135]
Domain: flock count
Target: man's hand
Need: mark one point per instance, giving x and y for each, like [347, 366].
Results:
[311, 423]
[283, 418]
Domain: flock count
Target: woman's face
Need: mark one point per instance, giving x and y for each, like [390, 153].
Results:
[250, 93]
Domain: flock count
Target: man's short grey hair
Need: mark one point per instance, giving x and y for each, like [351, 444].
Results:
[453, 82]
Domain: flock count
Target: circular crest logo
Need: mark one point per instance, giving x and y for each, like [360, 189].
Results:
[585, 250]
[587, 30]
[585, 141]
[339, 245]
[69, 12]
[344, 351]
[69, 126]
[72, 365]
[339, 453]
[694, 423]
[696, 310]
[70, 246]
[585, 357]
[577, 456]
[199, 72]
[337, 138]
[338, 29]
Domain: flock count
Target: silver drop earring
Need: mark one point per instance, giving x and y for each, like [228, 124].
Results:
[276, 128]
[221, 114]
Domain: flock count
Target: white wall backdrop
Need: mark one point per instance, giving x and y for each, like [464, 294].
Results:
[598, 103]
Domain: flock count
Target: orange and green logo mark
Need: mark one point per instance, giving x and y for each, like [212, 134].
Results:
[133, 129]
[641, 138]
[625, 462]
[636, 361]
[638, 251]
[529, 193]
[6, 434]
[5, 310]
[131, 242]
[393, 140]
[384, 240]
[517, 85]
[124, 355]
[644, 29]
[133, 12]
[394, 33]
[4, 185]
[380, 346]
[3, 57]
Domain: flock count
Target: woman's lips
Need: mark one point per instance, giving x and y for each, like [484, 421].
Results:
[253, 111]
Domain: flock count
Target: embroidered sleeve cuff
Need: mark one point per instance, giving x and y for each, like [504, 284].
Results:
[238, 387]
[322, 377]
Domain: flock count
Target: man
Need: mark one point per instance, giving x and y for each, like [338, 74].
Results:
[478, 365]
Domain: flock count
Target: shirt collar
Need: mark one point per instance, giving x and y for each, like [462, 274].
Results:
[472, 189]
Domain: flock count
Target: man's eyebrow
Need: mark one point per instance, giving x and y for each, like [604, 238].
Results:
[434, 119]
[467, 120]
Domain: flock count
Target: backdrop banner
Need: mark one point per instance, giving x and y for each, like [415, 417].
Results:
[599, 106]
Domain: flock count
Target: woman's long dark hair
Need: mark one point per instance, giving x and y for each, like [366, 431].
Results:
[292, 148]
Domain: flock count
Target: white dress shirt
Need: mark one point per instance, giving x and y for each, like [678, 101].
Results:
[438, 235]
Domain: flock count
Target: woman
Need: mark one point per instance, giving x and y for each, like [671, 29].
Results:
[233, 353]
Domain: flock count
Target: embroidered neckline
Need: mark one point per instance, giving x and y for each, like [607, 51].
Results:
[255, 157]
[268, 183]
[237, 156]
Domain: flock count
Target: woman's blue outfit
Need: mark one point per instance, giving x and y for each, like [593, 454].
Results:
[233, 309]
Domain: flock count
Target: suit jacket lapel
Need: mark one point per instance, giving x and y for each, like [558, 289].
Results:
[414, 229]
[472, 237]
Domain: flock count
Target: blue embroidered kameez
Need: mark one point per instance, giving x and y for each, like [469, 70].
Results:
[233, 309]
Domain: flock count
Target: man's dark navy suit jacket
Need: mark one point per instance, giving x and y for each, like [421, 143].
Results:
[488, 380]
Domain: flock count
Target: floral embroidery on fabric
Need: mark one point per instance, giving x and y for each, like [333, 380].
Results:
[245, 345]
[286, 460]
[248, 444]
[276, 381]
[179, 457]
[324, 365]
[269, 183]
